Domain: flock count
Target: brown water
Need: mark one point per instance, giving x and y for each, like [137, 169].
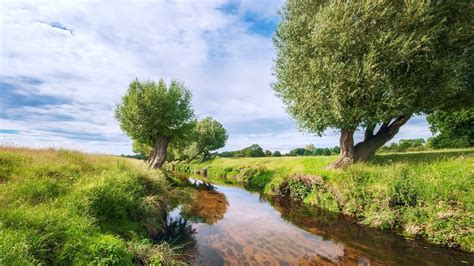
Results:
[232, 226]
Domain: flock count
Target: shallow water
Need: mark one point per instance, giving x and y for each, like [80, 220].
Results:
[233, 226]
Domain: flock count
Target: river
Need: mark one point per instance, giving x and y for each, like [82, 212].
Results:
[233, 226]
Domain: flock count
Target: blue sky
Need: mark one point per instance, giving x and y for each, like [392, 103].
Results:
[66, 64]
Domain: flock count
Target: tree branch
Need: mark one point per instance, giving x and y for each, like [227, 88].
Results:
[397, 123]
[369, 132]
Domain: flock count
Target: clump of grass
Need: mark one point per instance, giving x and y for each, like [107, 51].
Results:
[419, 194]
[63, 207]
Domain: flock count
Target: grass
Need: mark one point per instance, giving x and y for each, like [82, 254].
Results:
[63, 207]
[427, 195]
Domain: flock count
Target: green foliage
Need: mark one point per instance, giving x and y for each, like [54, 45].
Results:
[251, 151]
[152, 109]
[404, 145]
[210, 135]
[226, 154]
[345, 64]
[403, 191]
[141, 149]
[146, 253]
[107, 250]
[310, 150]
[297, 152]
[65, 208]
[456, 129]
[276, 154]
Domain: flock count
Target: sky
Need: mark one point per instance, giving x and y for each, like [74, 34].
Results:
[66, 64]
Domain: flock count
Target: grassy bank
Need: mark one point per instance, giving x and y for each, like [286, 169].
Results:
[427, 195]
[61, 207]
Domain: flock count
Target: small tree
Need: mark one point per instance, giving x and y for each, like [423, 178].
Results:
[276, 154]
[370, 65]
[268, 153]
[297, 152]
[154, 114]
[251, 151]
[210, 136]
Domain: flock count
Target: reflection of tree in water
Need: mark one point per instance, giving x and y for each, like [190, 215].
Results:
[178, 231]
[362, 245]
[209, 206]
[180, 234]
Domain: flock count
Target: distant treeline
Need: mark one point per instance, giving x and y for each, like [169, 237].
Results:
[402, 145]
[136, 156]
[256, 151]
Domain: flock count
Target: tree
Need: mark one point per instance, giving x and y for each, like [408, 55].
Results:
[210, 136]
[454, 129]
[154, 114]
[370, 65]
[252, 151]
[268, 153]
[336, 150]
[405, 145]
[310, 147]
[276, 154]
[227, 154]
[297, 152]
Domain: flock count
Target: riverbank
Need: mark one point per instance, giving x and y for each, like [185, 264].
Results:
[424, 195]
[64, 207]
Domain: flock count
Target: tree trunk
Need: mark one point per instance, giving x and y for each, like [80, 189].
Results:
[371, 143]
[366, 149]
[158, 155]
[346, 157]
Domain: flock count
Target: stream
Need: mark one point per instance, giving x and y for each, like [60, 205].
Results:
[232, 226]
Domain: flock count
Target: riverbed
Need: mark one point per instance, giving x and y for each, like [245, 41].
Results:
[233, 226]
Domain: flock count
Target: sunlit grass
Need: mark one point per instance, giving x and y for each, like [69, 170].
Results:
[64, 207]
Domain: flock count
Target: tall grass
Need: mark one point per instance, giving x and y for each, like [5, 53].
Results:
[427, 195]
[63, 207]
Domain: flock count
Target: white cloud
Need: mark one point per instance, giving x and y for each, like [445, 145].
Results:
[105, 44]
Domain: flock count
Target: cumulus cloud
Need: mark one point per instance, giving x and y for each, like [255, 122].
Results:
[66, 64]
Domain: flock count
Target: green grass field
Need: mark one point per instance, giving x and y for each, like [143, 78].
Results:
[61, 207]
[427, 195]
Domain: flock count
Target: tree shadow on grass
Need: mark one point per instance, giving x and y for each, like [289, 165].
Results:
[419, 157]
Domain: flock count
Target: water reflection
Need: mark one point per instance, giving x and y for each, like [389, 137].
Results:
[233, 226]
[208, 206]
[179, 232]
[365, 245]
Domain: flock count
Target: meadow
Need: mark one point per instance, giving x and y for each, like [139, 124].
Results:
[67, 208]
[427, 195]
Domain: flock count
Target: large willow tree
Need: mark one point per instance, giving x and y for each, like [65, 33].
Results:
[371, 65]
[154, 114]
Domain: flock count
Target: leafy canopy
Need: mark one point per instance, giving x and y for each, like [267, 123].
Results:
[152, 109]
[210, 135]
[344, 64]
[456, 129]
